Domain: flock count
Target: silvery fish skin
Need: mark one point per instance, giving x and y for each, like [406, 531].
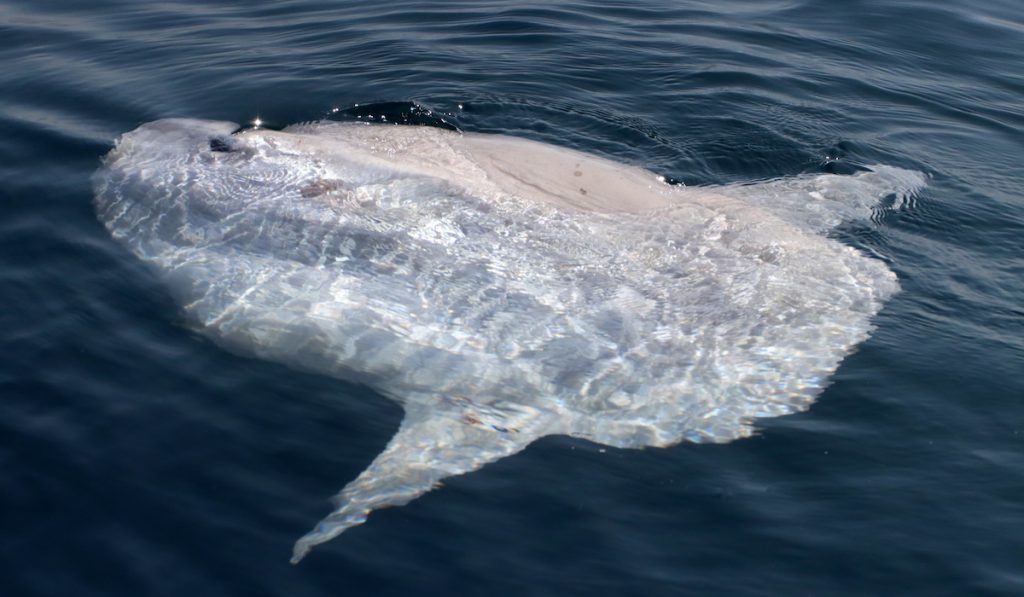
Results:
[500, 289]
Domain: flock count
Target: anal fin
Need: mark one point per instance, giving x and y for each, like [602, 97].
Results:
[432, 443]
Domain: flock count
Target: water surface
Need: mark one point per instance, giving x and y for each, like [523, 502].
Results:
[140, 459]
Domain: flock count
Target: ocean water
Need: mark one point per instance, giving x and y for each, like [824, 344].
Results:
[140, 459]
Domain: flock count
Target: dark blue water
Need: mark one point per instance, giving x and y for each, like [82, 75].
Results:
[139, 459]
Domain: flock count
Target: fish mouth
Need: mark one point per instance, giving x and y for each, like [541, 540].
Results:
[165, 139]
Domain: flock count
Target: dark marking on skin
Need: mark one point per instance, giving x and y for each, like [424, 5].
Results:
[471, 419]
[320, 187]
[577, 173]
[583, 191]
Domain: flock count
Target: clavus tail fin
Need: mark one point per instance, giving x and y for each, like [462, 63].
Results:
[820, 202]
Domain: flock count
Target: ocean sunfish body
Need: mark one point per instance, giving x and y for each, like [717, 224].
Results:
[500, 289]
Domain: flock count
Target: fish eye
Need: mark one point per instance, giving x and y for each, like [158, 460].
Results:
[221, 144]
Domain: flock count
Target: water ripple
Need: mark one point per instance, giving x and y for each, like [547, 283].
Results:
[141, 460]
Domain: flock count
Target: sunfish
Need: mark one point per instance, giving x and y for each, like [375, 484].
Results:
[499, 289]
